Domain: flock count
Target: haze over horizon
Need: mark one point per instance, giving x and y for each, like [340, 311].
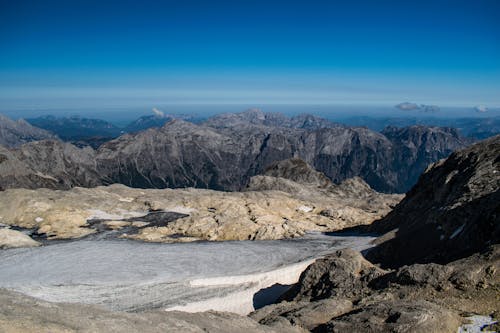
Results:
[129, 54]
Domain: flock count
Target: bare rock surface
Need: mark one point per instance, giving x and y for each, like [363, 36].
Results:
[344, 292]
[203, 214]
[15, 133]
[24, 314]
[11, 239]
[452, 212]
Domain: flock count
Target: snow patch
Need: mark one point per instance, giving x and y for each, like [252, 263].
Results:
[476, 324]
[241, 302]
[305, 209]
[180, 210]
[38, 219]
[456, 232]
[122, 214]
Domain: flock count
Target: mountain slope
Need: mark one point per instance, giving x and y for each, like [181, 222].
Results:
[182, 154]
[15, 133]
[452, 212]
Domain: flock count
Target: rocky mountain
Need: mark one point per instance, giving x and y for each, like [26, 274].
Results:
[182, 154]
[269, 119]
[15, 133]
[48, 163]
[452, 212]
[145, 122]
[77, 129]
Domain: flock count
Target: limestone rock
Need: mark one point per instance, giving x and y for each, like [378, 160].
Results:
[208, 215]
[11, 238]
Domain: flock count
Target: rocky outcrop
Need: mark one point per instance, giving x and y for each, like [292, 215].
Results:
[15, 133]
[453, 211]
[344, 292]
[225, 152]
[24, 314]
[298, 171]
[203, 214]
[11, 239]
[48, 163]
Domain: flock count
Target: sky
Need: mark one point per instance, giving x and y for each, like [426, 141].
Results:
[101, 54]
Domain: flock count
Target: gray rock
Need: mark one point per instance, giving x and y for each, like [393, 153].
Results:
[453, 211]
[395, 316]
[15, 133]
[20, 313]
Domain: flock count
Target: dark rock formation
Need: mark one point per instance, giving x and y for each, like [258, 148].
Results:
[346, 293]
[452, 212]
[299, 171]
[15, 133]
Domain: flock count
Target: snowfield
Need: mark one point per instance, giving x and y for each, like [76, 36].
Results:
[129, 275]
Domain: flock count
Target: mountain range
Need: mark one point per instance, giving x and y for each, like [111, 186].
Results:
[224, 152]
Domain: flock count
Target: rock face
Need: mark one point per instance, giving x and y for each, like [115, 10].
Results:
[48, 163]
[345, 293]
[12, 238]
[227, 150]
[23, 314]
[298, 171]
[145, 122]
[15, 133]
[203, 214]
[451, 213]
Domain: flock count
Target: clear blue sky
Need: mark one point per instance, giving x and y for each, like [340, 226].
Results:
[105, 53]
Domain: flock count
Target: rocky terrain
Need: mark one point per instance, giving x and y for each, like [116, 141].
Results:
[21, 314]
[227, 150]
[452, 212]
[271, 208]
[442, 250]
[15, 133]
[345, 293]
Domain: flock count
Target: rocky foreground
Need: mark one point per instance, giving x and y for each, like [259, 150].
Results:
[180, 215]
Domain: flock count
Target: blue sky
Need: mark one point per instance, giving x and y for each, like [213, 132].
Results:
[119, 53]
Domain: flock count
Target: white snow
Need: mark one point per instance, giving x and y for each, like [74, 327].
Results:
[305, 209]
[122, 214]
[456, 232]
[476, 324]
[38, 219]
[128, 275]
[180, 210]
